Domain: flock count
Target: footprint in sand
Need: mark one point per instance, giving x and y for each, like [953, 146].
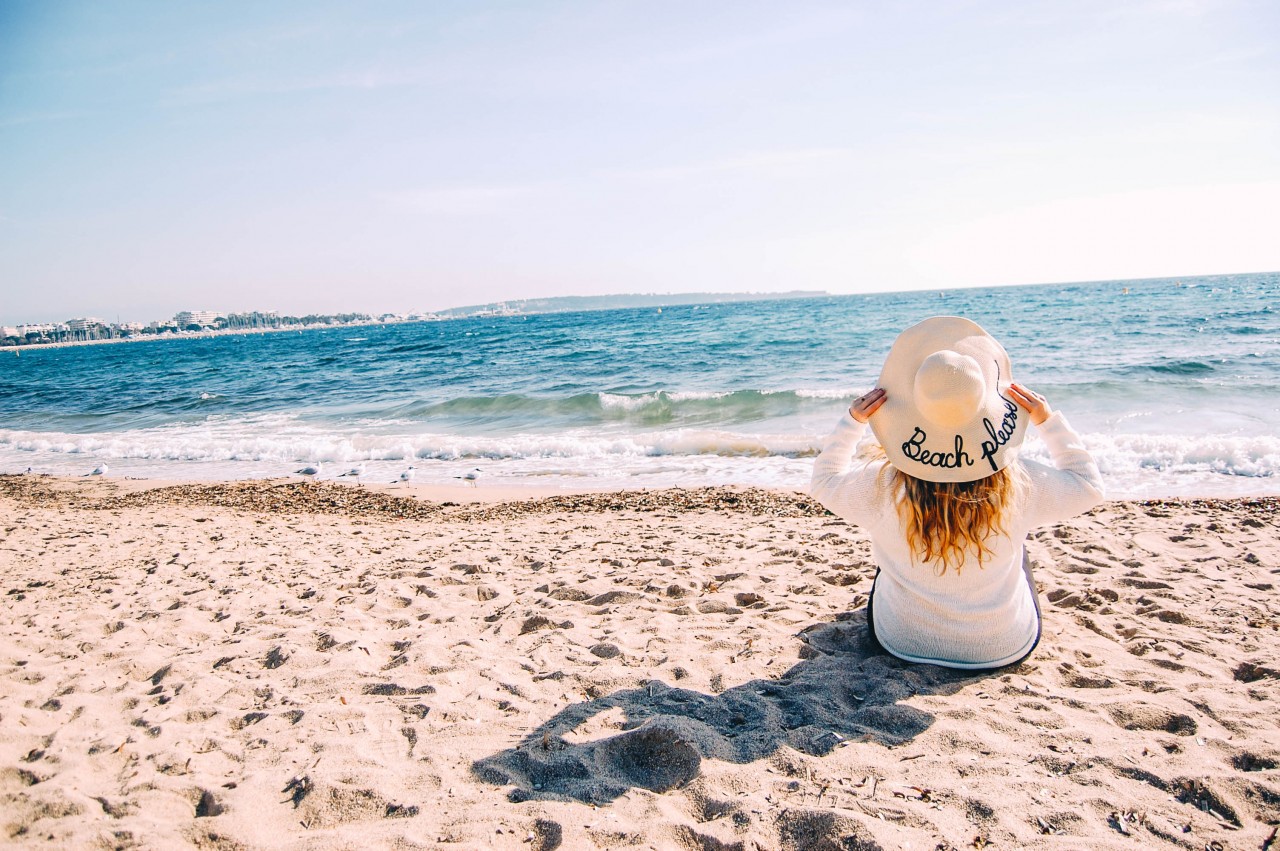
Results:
[1247, 761]
[1251, 672]
[546, 835]
[805, 829]
[207, 805]
[1145, 716]
[1077, 679]
[1173, 547]
[1206, 798]
[1165, 615]
[569, 594]
[686, 837]
[537, 622]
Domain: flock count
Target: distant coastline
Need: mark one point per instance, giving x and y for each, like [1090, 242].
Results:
[119, 333]
[186, 335]
[583, 303]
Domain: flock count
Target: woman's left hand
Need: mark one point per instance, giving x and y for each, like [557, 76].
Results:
[864, 406]
[1035, 404]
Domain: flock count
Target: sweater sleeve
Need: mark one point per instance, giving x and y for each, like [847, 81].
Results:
[846, 488]
[1072, 486]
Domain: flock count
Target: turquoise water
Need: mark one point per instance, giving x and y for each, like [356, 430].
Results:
[1173, 383]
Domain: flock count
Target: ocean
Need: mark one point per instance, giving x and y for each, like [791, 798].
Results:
[1173, 383]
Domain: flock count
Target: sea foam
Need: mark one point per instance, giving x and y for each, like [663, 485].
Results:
[1131, 464]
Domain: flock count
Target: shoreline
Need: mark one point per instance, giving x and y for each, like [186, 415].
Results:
[307, 665]
[390, 502]
[297, 495]
[191, 335]
[419, 491]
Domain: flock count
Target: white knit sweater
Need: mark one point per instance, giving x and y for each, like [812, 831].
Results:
[981, 616]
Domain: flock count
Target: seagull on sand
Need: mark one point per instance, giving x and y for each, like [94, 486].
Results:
[472, 478]
[406, 477]
[356, 472]
[310, 470]
[100, 470]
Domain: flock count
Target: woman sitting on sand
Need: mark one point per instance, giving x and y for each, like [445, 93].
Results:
[945, 499]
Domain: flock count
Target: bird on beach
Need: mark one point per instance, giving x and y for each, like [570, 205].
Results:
[355, 472]
[472, 478]
[311, 470]
[406, 477]
[100, 470]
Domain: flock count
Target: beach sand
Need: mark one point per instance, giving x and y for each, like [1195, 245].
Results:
[290, 665]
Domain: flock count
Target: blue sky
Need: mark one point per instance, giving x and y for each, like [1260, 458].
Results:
[409, 155]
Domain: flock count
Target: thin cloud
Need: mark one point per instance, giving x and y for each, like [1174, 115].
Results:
[464, 200]
[759, 161]
[1238, 56]
[367, 79]
[485, 199]
[816, 26]
[1160, 8]
[41, 118]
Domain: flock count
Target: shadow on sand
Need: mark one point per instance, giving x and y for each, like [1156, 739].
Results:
[844, 688]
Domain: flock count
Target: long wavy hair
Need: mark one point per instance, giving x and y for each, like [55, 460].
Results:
[948, 521]
[945, 521]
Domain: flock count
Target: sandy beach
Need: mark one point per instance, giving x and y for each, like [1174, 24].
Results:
[308, 665]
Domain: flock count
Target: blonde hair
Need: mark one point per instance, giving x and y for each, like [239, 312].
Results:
[946, 521]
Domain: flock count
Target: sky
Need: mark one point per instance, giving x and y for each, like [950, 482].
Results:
[396, 156]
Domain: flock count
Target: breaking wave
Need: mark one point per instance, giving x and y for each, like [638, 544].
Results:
[1119, 456]
[658, 408]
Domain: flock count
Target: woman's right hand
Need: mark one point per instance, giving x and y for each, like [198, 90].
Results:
[1034, 404]
[864, 406]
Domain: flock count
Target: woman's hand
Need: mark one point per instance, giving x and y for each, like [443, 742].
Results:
[864, 406]
[1034, 404]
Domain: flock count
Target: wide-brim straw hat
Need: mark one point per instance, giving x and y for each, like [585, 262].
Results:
[948, 415]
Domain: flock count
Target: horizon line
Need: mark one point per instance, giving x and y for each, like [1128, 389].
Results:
[755, 293]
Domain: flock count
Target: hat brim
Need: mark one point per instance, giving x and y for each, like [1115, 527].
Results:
[972, 450]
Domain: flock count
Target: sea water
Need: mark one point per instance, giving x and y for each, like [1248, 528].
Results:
[1173, 384]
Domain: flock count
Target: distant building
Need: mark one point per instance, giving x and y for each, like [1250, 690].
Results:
[83, 326]
[42, 329]
[8, 331]
[202, 318]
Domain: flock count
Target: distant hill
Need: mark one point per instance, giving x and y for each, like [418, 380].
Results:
[573, 303]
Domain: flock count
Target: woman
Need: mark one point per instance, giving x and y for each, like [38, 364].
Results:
[945, 499]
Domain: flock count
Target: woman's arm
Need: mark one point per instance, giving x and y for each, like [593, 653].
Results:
[1075, 485]
[848, 493]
